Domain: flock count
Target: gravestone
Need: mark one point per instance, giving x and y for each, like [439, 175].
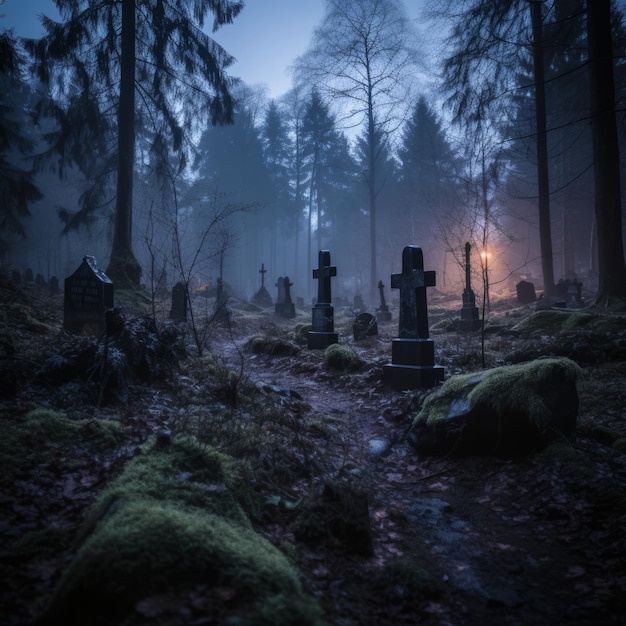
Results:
[178, 312]
[412, 353]
[364, 326]
[88, 294]
[284, 306]
[570, 291]
[262, 297]
[358, 304]
[526, 292]
[322, 333]
[470, 319]
[383, 313]
[54, 284]
[40, 281]
[28, 276]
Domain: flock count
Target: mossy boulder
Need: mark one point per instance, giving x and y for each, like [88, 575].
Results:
[169, 530]
[342, 359]
[507, 410]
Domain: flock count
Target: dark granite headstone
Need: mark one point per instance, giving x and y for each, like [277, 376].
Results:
[571, 292]
[364, 326]
[40, 281]
[383, 313]
[526, 292]
[322, 333]
[412, 353]
[284, 306]
[358, 304]
[88, 294]
[179, 303]
[470, 318]
[54, 284]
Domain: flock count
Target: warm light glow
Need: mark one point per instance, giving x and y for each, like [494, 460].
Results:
[485, 255]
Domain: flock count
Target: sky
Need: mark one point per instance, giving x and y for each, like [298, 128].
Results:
[265, 38]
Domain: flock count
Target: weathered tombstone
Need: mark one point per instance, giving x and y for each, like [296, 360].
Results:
[28, 276]
[16, 277]
[570, 291]
[262, 296]
[40, 281]
[526, 292]
[179, 303]
[364, 326]
[322, 333]
[88, 294]
[470, 319]
[358, 304]
[54, 284]
[412, 353]
[284, 306]
[383, 313]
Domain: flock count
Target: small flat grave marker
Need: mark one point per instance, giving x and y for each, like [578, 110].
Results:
[322, 333]
[88, 294]
[413, 352]
[526, 292]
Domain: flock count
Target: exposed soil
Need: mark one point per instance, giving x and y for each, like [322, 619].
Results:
[537, 539]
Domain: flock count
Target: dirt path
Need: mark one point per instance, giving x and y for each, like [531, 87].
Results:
[503, 541]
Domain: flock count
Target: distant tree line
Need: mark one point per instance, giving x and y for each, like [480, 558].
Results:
[356, 158]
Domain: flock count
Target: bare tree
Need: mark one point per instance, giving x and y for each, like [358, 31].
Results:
[363, 57]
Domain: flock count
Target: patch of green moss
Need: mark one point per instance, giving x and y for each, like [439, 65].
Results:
[23, 315]
[404, 576]
[167, 523]
[577, 320]
[133, 301]
[341, 359]
[508, 388]
[24, 437]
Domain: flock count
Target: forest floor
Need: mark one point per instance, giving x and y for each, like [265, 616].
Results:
[536, 539]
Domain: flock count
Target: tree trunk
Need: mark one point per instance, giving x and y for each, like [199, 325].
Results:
[611, 265]
[545, 234]
[371, 188]
[124, 270]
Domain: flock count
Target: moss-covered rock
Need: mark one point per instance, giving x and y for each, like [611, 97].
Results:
[342, 359]
[171, 525]
[507, 410]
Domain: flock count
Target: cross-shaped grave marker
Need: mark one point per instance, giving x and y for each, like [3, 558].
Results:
[322, 332]
[412, 353]
[262, 271]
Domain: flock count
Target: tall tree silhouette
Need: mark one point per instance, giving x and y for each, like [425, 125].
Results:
[363, 57]
[119, 66]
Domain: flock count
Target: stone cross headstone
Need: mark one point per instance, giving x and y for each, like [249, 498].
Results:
[178, 312]
[383, 313]
[88, 294]
[322, 333]
[412, 353]
[284, 306]
[262, 297]
[526, 292]
[470, 318]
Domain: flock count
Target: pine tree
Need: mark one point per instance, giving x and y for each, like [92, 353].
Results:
[111, 73]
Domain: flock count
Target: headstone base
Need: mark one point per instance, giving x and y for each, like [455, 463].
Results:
[412, 365]
[470, 319]
[285, 309]
[320, 341]
[402, 377]
[383, 316]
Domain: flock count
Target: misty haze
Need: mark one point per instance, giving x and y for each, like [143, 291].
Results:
[351, 354]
